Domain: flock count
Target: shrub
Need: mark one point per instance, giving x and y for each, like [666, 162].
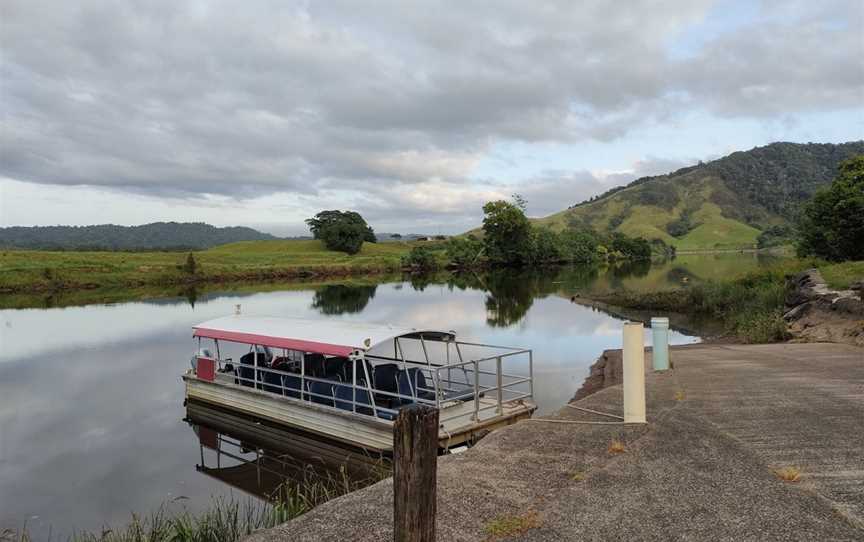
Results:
[682, 225]
[464, 251]
[420, 259]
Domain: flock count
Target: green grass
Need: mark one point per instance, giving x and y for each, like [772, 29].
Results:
[840, 275]
[751, 305]
[246, 261]
[715, 232]
[507, 526]
[226, 519]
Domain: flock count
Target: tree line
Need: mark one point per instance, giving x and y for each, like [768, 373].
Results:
[155, 236]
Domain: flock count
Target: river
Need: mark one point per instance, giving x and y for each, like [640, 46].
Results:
[91, 401]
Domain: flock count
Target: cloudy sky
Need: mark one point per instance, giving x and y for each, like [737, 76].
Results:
[413, 113]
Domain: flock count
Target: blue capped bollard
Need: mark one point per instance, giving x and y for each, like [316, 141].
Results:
[660, 352]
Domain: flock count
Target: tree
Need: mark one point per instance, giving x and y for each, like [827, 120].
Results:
[546, 246]
[342, 299]
[631, 248]
[341, 230]
[463, 252]
[579, 245]
[190, 266]
[832, 223]
[396, 236]
[507, 233]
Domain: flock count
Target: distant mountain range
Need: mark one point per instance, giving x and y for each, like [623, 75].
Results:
[723, 204]
[155, 236]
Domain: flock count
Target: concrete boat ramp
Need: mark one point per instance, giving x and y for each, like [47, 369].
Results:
[704, 468]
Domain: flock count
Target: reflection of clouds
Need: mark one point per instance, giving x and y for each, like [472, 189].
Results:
[91, 399]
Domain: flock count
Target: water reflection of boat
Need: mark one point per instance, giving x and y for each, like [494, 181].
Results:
[262, 459]
[346, 381]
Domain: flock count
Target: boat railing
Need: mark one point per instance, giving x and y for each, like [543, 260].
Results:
[501, 377]
[491, 377]
[359, 398]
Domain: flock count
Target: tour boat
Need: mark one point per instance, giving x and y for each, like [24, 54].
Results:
[346, 381]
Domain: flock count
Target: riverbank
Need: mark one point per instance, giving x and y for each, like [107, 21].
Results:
[752, 308]
[721, 426]
[252, 261]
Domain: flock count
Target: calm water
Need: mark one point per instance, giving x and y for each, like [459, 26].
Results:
[91, 398]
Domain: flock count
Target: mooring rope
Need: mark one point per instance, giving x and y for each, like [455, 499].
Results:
[572, 421]
[617, 417]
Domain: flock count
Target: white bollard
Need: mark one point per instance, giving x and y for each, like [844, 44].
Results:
[634, 373]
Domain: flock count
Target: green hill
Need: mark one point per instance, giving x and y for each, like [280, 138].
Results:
[723, 204]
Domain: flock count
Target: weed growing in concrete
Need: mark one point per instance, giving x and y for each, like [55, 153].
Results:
[788, 474]
[679, 395]
[617, 447]
[577, 476]
[504, 526]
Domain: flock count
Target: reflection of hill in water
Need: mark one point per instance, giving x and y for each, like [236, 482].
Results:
[263, 459]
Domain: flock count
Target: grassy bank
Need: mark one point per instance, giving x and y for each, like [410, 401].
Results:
[751, 306]
[841, 275]
[46, 271]
[225, 519]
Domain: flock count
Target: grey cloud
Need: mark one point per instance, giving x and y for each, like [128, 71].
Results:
[556, 190]
[177, 99]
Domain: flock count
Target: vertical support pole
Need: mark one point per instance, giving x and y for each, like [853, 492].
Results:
[415, 456]
[303, 376]
[634, 373]
[255, 372]
[500, 384]
[660, 350]
[476, 416]
[531, 373]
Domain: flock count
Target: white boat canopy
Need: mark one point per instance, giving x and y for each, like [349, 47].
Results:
[331, 337]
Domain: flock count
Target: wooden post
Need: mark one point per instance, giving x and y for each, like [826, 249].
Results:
[415, 458]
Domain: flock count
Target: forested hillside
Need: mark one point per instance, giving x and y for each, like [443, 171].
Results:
[158, 235]
[724, 204]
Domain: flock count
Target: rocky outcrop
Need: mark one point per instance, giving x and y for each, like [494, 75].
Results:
[605, 372]
[815, 313]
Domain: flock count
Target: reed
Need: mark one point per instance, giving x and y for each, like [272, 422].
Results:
[226, 519]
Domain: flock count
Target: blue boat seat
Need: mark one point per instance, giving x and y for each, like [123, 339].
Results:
[313, 365]
[272, 382]
[384, 378]
[292, 386]
[412, 382]
[334, 368]
[321, 392]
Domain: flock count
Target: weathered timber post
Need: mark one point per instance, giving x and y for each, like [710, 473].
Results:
[415, 458]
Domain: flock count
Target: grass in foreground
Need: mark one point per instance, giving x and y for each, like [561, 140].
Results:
[226, 519]
[505, 526]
